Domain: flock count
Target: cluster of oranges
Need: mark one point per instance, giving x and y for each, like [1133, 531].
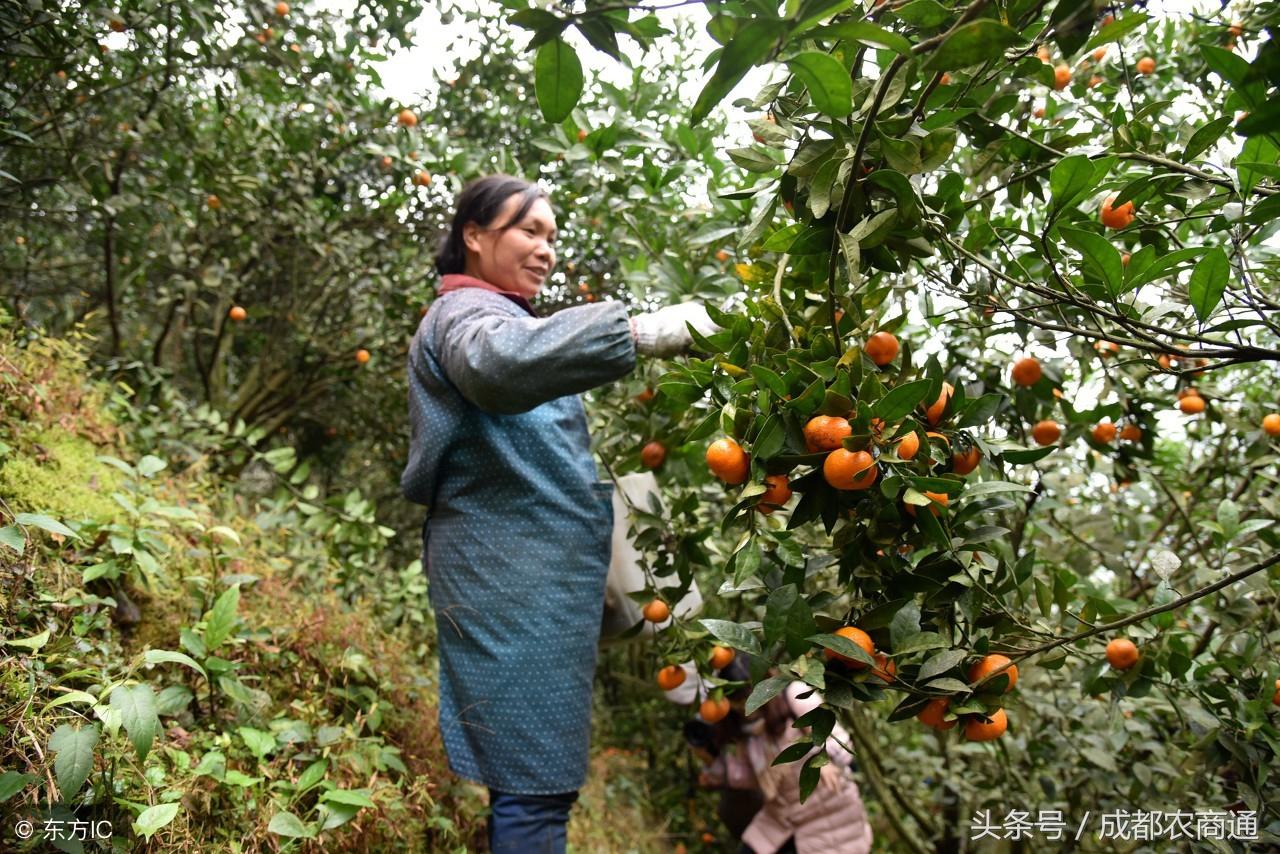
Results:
[1062, 74]
[843, 469]
[1027, 372]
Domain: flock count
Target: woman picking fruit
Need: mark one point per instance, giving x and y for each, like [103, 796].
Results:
[516, 543]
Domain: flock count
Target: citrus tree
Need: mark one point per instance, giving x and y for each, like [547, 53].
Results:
[997, 409]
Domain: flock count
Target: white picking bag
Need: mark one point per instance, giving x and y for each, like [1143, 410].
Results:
[626, 572]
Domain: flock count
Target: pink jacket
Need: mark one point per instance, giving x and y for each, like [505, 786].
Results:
[831, 821]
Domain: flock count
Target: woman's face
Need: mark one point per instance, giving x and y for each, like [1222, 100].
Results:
[518, 258]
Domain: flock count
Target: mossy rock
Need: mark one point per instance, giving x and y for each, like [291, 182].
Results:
[58, 474]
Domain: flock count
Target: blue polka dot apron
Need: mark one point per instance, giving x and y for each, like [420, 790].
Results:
[516, 543]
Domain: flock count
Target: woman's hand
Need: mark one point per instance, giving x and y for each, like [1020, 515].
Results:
[663, 333]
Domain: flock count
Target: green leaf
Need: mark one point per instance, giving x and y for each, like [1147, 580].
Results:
[980, 411]
[1208, 281]
[1265, 119]
[149, 465]
[865, 33]
[313, 774]
[239, 778]
[1117, 29]
[939, 664]
[1229, 66]
[12, 782]
[223, 533]
[745, 50]
[970, 44]
[71, 697]
[811, 773]
[794, 752]
[173, 700]
[993, 487]
[921, 641]
[1163, 266]
[285, 823]
[154, 818]
[842, 646]
[11, 536]
[901, 400]
[1100, 255]
[925, 14]
[1070, 178]
[557, 82]
[810, 12]
[221, 618]
[732, 634]
[1204, 138]
[1022, 456]
[350, 797]
[74, 761]
[159, 656]
[766, 378]
[827, 81]
[137, 707]
[764, 691]
[46, 523]
[903, 191]
[32, 643]
[259, 743]
[937, 147]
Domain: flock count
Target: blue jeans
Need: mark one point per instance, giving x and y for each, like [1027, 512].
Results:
[535, 824]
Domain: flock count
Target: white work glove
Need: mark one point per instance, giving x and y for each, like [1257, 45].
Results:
[663, 333]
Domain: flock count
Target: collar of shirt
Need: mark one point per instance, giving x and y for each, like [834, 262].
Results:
[454, 281]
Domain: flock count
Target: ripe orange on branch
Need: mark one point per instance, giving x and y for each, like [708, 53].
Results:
[1119, 217]
[1131, 433]
[937, 499]
[714, 710]
[1046, 432]
[1027, 372]
[825, 432]
[849, 470]
[728, 461]
[670, 677]
[1122, 653]
[656, 611]
[1061, 77]
[407, 118]
[859, 638]
[282, 9]
[1191, 404]
[882, 348]
[362, 356]
[1146, 65]
[989, 664]
[885, 669]
[1104, 432]
[652, 455]
[933, 714]
[977, 729]
[1271, 424]
[933, 414]
[908, 446]
[721, 657]
[966, 461]
[776, 494]
[237, 313]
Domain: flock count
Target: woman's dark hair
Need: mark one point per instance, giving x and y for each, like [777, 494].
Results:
[479, 202]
